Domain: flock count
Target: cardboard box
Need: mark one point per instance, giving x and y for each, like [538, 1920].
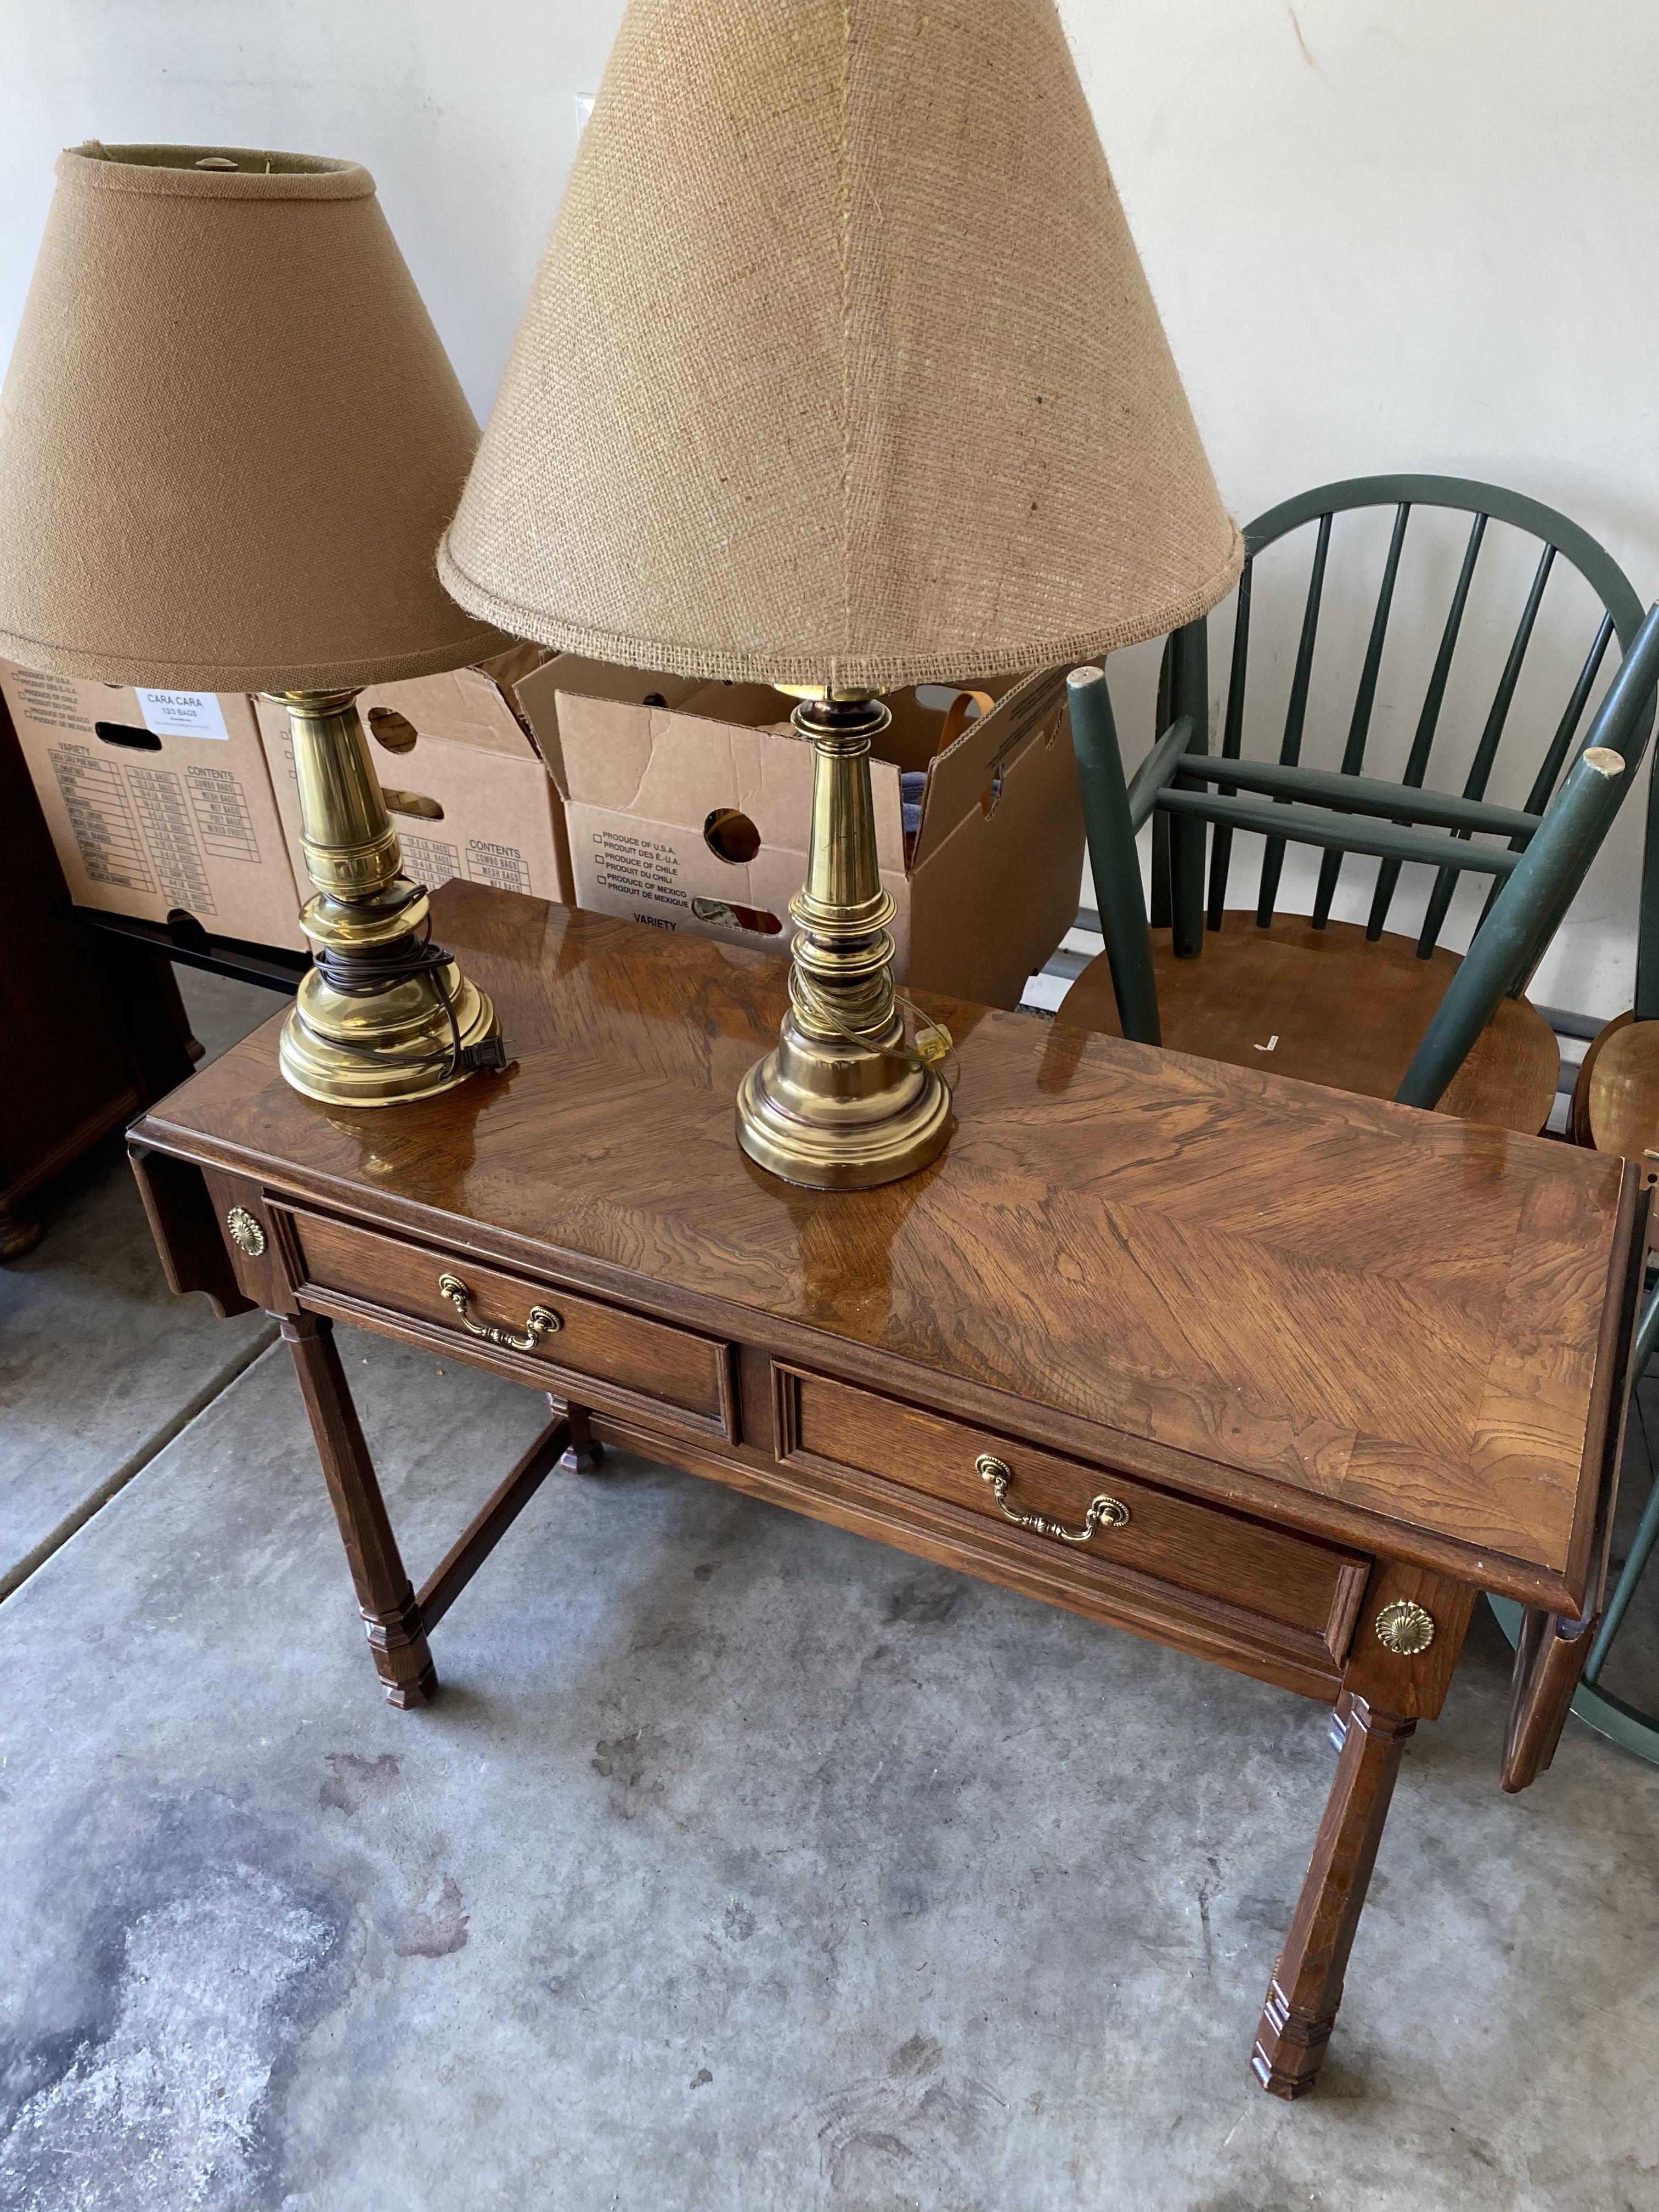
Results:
[158, 802]
[465, 786]
[688, 806]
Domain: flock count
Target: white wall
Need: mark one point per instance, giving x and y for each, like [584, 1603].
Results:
[1419, 234]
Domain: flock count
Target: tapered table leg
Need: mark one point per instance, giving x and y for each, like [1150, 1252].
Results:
[1306, 1984]
[586, 1453]
[385, 1597]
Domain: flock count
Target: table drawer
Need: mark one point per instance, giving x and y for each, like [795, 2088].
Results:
[601, 1355]
[1295, 1582]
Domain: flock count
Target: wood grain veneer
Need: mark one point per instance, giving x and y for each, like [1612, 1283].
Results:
[1356, 1307]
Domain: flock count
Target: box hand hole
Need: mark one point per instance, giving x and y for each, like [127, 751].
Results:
[756, 918]
[183, 929]
[124, 733]
[730, 836]
[392, 730]
[411, 802]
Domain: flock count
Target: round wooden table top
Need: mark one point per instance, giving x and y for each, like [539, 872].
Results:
[1328, 1006]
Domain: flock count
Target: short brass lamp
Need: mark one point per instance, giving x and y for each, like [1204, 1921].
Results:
[229, 439]
[841, 373]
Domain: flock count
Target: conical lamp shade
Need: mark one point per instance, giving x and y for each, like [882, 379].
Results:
[840, 359]
[229, 436]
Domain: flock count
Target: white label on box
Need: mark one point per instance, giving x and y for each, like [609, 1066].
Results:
[182, 713]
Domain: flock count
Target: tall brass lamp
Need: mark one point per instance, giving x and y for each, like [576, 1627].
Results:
[841, 373]
[229, 438]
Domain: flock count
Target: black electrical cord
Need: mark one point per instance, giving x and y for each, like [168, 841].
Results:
[378, 968]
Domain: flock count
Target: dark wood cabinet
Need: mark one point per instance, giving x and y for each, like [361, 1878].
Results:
[92, 1030]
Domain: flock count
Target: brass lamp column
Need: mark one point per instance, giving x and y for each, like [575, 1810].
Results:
[841, 1102]
[384, 1015]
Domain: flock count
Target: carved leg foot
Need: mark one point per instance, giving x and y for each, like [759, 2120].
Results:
[403, 1659]
[1306, 1988]
[385, 1597]
[18, 1233]
[585, 1454]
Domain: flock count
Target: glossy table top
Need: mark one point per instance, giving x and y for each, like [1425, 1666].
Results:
[1393, 1312]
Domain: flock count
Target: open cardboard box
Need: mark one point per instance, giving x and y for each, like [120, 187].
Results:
[465, 788]
[688, 806]
[159, 803]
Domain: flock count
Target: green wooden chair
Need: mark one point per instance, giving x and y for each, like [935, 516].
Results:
[1352, 1006]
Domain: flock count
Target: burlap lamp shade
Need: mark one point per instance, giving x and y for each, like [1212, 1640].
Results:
[841, 363]
[229, 436]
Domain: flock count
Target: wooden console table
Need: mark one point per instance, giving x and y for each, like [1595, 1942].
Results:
[1274, 1375]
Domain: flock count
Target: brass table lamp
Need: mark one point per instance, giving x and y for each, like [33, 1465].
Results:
[229, 438]
[840, 372]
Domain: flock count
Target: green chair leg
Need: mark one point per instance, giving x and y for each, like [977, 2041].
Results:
[1189, 696]
[1113, 858]
[1647, 1530]
[1500, 950]
[1630, 1574]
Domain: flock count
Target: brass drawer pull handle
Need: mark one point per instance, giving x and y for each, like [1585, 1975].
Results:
[1103, 1512]
[542, 1319]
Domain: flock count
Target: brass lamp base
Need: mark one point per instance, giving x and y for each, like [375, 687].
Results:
[384, 1016]
[842, 1101]
[381, 1051]
[809, 1115]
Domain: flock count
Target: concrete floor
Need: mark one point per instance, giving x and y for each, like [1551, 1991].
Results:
[742, 1865]
[92, 1287]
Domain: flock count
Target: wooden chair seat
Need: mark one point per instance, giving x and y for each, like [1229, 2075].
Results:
[1346, 1011]
[1615, 1101]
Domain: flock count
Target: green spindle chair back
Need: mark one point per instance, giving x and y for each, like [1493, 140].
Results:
[1192, 795]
